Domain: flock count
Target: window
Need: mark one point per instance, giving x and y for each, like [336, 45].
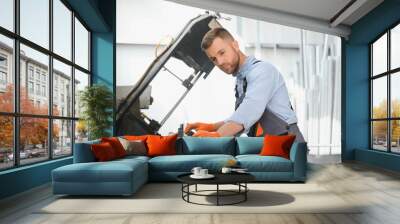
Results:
[38, 89]
[3, 72]
[379, 56]
[43, 77]
[30, 87]
[43, 90]
[6, 89]
[55, 96]
[62, 74]
[81, 45]
[33, 148]
[3, 82]
[81, 81]
[3, 61]
[45, 131]
[62, 29]
[3, 78]
[62, 137]
[7, 14]
[35, 21]
[395, 47]
[37, 74]
[6, 142]
[385, 94]
[30, 72]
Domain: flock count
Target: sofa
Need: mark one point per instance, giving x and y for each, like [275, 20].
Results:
[126, 175]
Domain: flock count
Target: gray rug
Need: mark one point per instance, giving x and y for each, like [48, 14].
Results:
[166, 198]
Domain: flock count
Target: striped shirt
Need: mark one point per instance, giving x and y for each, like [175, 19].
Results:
[265, 89]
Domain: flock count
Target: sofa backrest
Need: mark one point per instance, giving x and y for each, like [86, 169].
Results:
[192, 146]
[205, 145]
[186, 145]
[249, 145]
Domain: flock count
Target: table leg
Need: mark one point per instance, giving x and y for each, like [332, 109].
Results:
[188, 190]
[245, 191]
[217, 194]
[196, 187]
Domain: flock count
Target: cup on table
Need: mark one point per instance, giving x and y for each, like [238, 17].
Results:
[226, 170]
[196, 170]
[203, 172]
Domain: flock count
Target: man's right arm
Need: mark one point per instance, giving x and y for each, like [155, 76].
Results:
[229, 128]
[218, 125]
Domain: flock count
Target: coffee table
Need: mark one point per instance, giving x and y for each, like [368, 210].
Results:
[238, 179]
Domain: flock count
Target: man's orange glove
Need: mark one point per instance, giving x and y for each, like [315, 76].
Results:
[202, 133]
[200, 126]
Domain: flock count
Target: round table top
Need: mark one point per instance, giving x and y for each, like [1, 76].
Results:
[220, 178]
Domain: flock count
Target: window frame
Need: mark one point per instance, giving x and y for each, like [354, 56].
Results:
[388, 74]
[3, 71]
[3, 77]
[16, 114]
[6, 61]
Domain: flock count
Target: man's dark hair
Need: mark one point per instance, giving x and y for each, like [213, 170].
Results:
[210, 36]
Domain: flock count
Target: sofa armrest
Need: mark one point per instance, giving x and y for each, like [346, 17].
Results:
[83, 152]
[298, 155]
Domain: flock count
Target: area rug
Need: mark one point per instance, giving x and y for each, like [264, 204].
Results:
[167, 198]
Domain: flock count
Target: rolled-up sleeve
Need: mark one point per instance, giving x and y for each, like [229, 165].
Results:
[261, 83]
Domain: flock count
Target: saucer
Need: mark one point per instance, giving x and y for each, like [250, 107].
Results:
[240, 171]
[208, 176]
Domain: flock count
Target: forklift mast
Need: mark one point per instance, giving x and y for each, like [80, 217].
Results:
[131, 101]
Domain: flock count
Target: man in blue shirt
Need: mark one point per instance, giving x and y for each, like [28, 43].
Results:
[261, 94]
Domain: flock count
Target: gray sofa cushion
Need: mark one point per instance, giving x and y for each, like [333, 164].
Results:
[249, 145]
[257, 163]
[208, 145]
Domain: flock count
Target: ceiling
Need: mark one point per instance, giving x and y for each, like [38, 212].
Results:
[326, 16]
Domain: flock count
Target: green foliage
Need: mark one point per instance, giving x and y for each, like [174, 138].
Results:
[96, 102]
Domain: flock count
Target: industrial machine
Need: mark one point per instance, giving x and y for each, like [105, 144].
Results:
[138, 112]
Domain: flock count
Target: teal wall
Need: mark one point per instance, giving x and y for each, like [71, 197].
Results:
[99, 16]
[356, 104]
[380, 159]
[24, 178]
[102, 58]
[104, 51]
[356, 101]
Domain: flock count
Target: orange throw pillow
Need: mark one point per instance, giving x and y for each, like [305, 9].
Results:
[275, 145]
[116, 145]
[161, 145]
[103, 151]
[136, 137]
